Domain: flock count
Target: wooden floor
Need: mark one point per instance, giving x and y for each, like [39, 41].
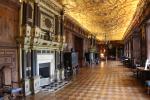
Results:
[107, 81]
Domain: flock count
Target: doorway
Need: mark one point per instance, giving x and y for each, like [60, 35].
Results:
[78, 45]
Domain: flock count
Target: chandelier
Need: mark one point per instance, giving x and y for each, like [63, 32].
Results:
[107, 40]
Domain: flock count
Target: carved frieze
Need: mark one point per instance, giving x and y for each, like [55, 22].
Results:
[8, 57]
[51, 5]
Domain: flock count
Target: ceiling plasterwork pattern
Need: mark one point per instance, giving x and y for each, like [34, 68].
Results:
[101, 17]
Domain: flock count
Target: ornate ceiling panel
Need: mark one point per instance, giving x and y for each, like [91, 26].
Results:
[109, 18]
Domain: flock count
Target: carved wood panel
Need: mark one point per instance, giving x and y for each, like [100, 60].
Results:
[8, 24]
[9, 21]
[136, 50]
[47, 22]
[8, 57]
[143, 45]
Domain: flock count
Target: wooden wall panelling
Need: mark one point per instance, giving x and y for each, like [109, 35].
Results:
[8, 58]
[9, 24]
[69, 40]
[136, 48]
[143, 45]
[71, 29]
[78, 46]
[77, 38]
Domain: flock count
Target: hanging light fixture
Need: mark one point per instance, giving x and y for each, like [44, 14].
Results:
[107, 41]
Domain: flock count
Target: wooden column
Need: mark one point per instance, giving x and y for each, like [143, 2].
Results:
[57, 25]
[116, 53]
[125, 49]
[33, 63]
[62, 23]
[130, 48]
[36, 15]
[62, 34]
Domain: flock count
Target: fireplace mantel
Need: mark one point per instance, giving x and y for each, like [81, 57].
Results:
[46, 58]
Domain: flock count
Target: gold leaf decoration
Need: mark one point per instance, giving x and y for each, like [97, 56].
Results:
[101, 17]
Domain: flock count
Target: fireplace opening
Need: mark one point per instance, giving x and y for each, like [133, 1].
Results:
[44, 70]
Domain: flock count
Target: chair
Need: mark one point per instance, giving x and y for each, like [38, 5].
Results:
[7, 84]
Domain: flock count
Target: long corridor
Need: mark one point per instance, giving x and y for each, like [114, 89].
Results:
[107, 81]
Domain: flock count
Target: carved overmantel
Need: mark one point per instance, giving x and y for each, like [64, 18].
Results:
[50, 37]
[40, 30]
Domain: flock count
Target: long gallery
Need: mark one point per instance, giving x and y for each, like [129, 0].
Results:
[74, 49]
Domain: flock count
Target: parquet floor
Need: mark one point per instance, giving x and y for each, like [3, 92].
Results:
[107, 81]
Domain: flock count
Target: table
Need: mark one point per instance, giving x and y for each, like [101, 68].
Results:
[142, 73]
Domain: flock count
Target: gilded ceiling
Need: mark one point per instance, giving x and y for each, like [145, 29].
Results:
[105, 18]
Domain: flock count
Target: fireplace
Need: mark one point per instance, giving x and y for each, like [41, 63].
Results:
[46, 68]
